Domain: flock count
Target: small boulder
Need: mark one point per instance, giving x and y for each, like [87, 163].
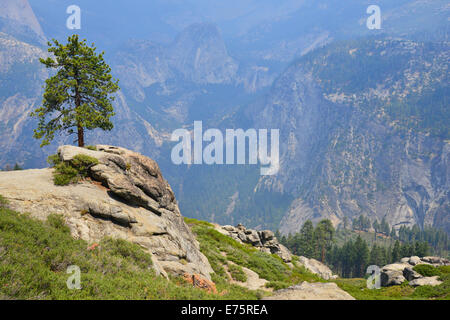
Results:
[392, 277]
[283, 253]
[241, 235]
[266, 235]
[228, 228]
[414, 260]
[426, 281]
[404, 260]
[396, 267]
[392, 274]
[410, 274]
[253, 238]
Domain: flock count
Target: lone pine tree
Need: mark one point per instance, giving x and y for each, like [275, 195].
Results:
[79, 95]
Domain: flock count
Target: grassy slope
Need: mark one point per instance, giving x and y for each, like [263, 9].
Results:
[220, 249]
[213, 244]
[34, 257]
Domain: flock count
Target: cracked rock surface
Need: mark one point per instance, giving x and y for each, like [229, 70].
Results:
[126, 197]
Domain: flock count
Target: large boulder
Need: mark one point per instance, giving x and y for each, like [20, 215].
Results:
[395, 267]
[311, 291]
[252, 237]
[316, 267]
[392, 274]
[129, 175]
[281, 251]
[126, 197]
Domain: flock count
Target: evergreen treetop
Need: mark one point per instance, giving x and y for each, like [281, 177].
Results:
[78, 96]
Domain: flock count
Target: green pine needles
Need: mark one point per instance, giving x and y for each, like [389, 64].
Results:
[67, 172]
[79, 96]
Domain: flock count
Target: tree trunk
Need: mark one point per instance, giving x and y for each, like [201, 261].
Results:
[77, 105]
[80, 136]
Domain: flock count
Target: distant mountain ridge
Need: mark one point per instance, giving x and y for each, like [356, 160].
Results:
[18, 19]
[355, 137]
[347, 152]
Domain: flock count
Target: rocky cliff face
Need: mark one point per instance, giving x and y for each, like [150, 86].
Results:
[199, 53]
[126, 197]
[347, 149]
[18, 19]
[170, 83]
[21, 78]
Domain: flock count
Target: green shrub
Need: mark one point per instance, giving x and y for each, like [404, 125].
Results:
[17, 167]
[237, 273]
[53, 160]
[71, 171]
[57, 221]
[444, 269]
[35, 256]
[93, 148]
[300, 274]
[82, 163]
[441, 291]
[127, 250]
[192, 221]
[3, 201]
[427, 270]
[357, 288]
[65, 174]
[213, 244]
[277, 285]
